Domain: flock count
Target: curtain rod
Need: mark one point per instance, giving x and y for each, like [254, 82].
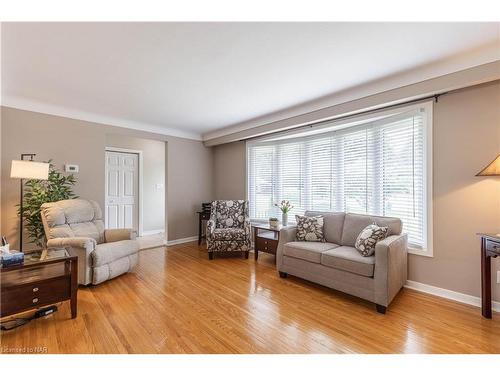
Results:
[321, 122]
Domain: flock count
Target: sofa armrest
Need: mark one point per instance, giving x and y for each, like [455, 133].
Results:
[114, 235]
[390, 267]
[210, 228]
[247, 226]
[287, 234]
[81, 247]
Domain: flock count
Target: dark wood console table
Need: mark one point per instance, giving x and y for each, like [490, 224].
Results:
[202, 216]
[39, 282]
[490, 248]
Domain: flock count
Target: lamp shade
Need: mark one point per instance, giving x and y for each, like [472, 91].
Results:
[492, 169]
[29, 169]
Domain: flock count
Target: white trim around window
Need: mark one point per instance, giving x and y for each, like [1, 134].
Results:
[379, 163]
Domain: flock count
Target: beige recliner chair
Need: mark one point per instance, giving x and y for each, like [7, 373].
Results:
[77, 225]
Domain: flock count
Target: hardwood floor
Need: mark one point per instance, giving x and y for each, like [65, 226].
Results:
[177, 301]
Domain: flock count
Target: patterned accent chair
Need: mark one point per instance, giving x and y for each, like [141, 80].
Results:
[228, 229]
[77, 226]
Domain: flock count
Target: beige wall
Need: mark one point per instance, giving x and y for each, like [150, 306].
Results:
[230, 171]
[466, 137]
[189, 183]
[65, 140]
[153, 173]
[0, 166]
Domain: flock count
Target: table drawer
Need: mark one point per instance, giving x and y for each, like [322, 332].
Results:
[493, 246]
[23, 297]
[266, 245]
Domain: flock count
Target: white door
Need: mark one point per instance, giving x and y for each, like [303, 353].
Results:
[122, 190]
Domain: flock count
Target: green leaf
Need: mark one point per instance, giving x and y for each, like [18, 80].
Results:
[37, 192]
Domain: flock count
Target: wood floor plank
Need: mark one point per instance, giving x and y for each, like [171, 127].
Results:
[177, 301]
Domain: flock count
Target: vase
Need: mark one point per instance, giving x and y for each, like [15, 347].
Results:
[284, 219]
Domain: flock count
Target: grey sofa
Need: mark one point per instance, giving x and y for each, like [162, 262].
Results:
[77, 225]
[338, 265]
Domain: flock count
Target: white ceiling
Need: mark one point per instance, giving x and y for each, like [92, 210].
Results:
[189, 79]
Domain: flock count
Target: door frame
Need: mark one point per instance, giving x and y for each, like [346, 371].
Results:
[139, 199]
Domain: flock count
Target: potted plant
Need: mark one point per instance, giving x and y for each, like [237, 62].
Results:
[273, 221]
[37, 192]
[285, 207]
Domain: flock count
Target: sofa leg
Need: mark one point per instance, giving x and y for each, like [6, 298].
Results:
[381, 309]
[246, 254]
[210, 255]
[283, 275]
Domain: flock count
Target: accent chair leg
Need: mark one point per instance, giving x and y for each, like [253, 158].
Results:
[283, 275]
[210, 255]
[381, 309]
[246, 254]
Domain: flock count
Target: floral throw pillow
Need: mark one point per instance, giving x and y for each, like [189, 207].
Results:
[310, 228]
[368, 238]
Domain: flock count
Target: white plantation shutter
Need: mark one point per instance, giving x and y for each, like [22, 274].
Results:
[377, 168]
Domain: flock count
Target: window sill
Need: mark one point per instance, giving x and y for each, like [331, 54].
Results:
[425, 253]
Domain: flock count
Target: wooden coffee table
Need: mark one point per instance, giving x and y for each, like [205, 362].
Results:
[39, 282]
[266, 238]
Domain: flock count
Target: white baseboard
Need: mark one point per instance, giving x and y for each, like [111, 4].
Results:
[449, 294]
[181, 240]
[151, 232]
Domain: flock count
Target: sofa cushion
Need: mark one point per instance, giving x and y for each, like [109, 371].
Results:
[368, 238]
[348, 259]
[228, 234]
[333, 224]
[92, 229]
[310, 251]
[354, 224]
[310, 228]
[108, 252]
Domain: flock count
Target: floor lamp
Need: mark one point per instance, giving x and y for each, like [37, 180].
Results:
[492, 169]
[27, 169]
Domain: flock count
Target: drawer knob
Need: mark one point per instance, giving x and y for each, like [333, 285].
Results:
[35, 300]
[35, 289]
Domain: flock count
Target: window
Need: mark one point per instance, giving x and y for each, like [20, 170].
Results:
[374, 165]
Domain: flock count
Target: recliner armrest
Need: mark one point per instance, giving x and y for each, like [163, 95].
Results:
[82, 247]
[86, 243]
[114, 235]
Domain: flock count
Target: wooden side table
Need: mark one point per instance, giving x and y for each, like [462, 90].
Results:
[490, 248]
[266, 238]
[37, 283]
